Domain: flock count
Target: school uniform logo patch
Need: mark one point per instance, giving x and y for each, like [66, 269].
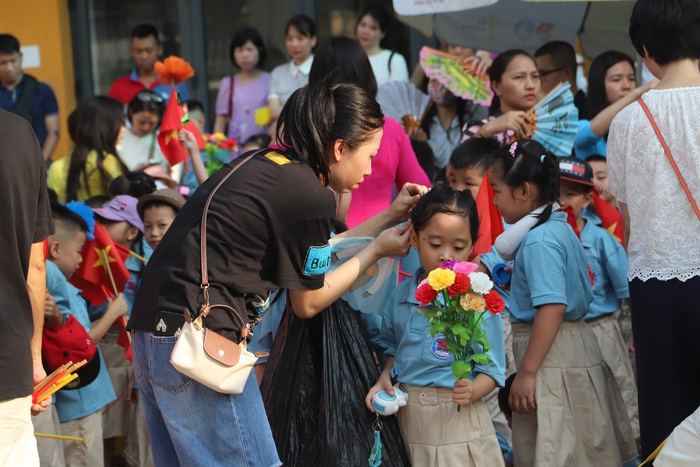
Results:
[438, 347]
[317, 261]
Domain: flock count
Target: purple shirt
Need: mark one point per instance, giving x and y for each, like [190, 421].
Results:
[247, 98]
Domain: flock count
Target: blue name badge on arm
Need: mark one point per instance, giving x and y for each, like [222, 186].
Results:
[318, 259]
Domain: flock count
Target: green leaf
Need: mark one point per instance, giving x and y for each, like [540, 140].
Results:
[480, 358]
[461, 369]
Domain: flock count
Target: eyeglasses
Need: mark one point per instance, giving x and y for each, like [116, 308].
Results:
[149, 96]
[544, 73]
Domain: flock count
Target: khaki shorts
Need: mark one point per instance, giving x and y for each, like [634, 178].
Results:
[436, 435]
[17, 442]
[614, 350]
[89, 452]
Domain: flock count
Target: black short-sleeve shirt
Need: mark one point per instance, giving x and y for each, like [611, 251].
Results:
[268, 228]
[25, 218]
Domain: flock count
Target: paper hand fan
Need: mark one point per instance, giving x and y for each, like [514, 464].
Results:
[556, 119]
[448, 70]
[403, 102]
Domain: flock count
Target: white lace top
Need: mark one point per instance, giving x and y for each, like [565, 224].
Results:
[664, 230]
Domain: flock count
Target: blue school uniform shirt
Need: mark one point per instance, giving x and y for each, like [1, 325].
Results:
[608, 262]
[423, 360]
[550, 267]
[72, 404]
[587, 143]
[135, 267]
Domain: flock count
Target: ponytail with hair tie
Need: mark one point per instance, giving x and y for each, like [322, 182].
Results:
[528, 161]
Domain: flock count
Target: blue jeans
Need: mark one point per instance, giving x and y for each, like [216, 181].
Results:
[192, 425]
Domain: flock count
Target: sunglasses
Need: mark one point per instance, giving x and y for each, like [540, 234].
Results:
[149, 96]
[544, 73]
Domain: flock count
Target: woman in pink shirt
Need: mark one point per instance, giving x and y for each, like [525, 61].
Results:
[395, 163]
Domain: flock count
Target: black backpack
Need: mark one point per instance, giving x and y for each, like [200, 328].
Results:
[26, 100]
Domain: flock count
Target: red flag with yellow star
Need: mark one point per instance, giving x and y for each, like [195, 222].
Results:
[172, 149]
[100, 257]
[611, 218]
[490, 220]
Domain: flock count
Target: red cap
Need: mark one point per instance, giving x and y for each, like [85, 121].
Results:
[70, 342]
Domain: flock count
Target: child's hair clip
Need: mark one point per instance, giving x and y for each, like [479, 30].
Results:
[512, 149]
[542, 159]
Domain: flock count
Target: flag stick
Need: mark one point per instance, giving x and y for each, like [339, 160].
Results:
[114, 286]
[138, 257]
[109, 271]
[65, 438]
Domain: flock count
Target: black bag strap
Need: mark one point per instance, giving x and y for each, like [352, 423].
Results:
[389, 63]
[203, 240]
[26, 100]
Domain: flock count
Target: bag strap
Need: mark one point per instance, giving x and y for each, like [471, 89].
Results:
[26, 99]
[203, 231]
[230, 98]
[670, 157]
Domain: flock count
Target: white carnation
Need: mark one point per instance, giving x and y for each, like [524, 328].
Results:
[480, 282]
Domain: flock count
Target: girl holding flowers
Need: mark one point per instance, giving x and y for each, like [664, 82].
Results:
[438, 375]
[564, 410]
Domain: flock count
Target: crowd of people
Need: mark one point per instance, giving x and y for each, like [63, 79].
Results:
[592, 362]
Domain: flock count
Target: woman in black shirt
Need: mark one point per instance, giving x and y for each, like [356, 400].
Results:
[268, 228]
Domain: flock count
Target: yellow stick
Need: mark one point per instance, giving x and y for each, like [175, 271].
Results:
[109, 271]
[138, 257]
[55, 388]
[65, 438]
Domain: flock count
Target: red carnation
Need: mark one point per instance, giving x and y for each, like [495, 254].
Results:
[426, 294]
[494, 302]
[460, 285]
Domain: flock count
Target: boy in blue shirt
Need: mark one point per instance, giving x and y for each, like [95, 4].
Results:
[607, 261]
[79, 410]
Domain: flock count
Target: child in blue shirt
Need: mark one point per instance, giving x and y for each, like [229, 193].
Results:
[465, 171]
[564, 410]
[79, 410]
[445, 225]
[121, 218]
[607, 261]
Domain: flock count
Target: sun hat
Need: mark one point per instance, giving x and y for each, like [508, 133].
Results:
[166, 196]
[121, 208]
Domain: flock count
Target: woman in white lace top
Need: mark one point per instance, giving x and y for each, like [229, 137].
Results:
[662, 231]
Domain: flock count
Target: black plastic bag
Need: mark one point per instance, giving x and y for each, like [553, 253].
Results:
[318, 374]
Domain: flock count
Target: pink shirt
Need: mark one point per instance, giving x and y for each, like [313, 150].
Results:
[395, 164]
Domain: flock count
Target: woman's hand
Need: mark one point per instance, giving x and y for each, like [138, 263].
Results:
[393, 242]
[463, 391]
[646, 87]
[383, 384]
[477, 65]
[516, 121]
[522, 394]
[407, 198]
[417, 134]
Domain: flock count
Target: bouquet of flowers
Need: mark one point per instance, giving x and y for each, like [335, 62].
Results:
[460, 297]
[217, 151]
